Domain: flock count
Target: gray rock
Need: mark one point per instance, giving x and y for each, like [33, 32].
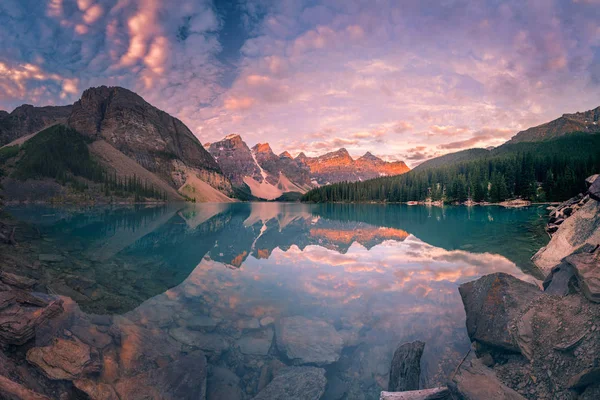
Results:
[223, 384]
[491, 303]
[17, 281]
[581, 228]
[256, 343]
[200, 322]
[474, 381]
[591, 179]
[308, 341]
[587, 270]
[560, 280]
[295, 383]
[206, 341]
[406, 367]
[594, 190]
[51, 257]
[439, 393]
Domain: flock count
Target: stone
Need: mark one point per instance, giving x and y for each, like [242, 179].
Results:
[256, 343]
[210, 342]
[491, 303]
[587, 270]
[266, 321]
[200, 322]
[439, 393]
[17, 281]
[10, 390]
[223, 384]
[21, 314]
[295, 383]
[473, 381]
[585, 378]
[91, 335]
[64, 359]
[51, 258]
[406, 367]
[525, 334]
[560, 280]
[94, 390]
[581, 228]
[184, 378]
[308, 341]
[594, 190]
[251, 323]
[591, 179]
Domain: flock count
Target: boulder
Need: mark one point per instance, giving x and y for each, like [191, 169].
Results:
[591, 179]
[210, 342]
[439, 393]
[184, 378]
[91, 390]
[406, 367]
[17, 281]
[64, 359]
[560, 280]
[10, 390]
[295, 383]
[256, 343]
[587, 270]
[223, 384]
[581, 228]
[594, 190]
[308, 341]
[473, 381]
[491, 303]
[21, 314]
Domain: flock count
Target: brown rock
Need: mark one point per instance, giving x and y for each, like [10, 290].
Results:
[10, 390]
[21, 314]
[94, 390]
[64, 359]
[473, 381]
[17, 281]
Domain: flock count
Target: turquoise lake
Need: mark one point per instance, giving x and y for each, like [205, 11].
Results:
[220, 277]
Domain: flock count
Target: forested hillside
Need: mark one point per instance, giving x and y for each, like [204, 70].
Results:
[552, 170]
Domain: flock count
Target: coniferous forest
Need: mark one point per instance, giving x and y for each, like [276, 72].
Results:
[552, 170]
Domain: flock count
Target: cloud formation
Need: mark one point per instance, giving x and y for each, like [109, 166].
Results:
[385, 78]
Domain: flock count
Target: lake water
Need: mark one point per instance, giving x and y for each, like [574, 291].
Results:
[221, 277]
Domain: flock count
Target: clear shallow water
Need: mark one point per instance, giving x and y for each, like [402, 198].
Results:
[206, 275]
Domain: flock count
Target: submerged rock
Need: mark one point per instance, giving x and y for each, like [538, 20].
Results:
[308, 341]
[406, 367]
[256, 343]
[439, 393]
[223, 384]
[295, 383]
[491, 303]
[473, 381]
[51, 257]
[210, 342]
[22, 313]
[64, 359]
[11, 390]
[17, 281]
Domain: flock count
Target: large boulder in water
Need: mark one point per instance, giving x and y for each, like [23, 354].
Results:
[295, 383]
[491, 303]
[308, 341]
[406, 367]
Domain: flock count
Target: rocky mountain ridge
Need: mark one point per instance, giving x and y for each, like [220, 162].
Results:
[268, 175]
[27, 119]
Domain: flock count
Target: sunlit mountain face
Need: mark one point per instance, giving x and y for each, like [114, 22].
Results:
[224, 277]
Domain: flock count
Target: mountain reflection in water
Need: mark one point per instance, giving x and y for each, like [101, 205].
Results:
[217, 276]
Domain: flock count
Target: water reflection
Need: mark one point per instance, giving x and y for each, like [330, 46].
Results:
[221, 277]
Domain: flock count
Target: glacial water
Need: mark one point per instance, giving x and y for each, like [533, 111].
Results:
[222, 277]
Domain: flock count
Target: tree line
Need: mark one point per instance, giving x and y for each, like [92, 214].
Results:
[552, 170]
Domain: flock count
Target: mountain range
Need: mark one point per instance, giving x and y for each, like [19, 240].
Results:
[136, 145]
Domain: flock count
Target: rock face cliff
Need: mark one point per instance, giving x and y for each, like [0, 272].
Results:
[235, 159]
[588, 121]
[339, 166]
[27, 119]
[157, 141]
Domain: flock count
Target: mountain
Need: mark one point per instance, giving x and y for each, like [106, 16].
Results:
[259, 171]
[588, 121]
[127, 147]
[459, 156]
[27, 119]
[157, 141]
[339, 166]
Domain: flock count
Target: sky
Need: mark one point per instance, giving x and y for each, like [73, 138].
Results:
[405, 79]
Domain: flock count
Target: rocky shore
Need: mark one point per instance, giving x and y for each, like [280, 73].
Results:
[531, 342]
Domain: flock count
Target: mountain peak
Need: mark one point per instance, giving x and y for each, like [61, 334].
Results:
[285, 154]
[262, 148]
[368, 156]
